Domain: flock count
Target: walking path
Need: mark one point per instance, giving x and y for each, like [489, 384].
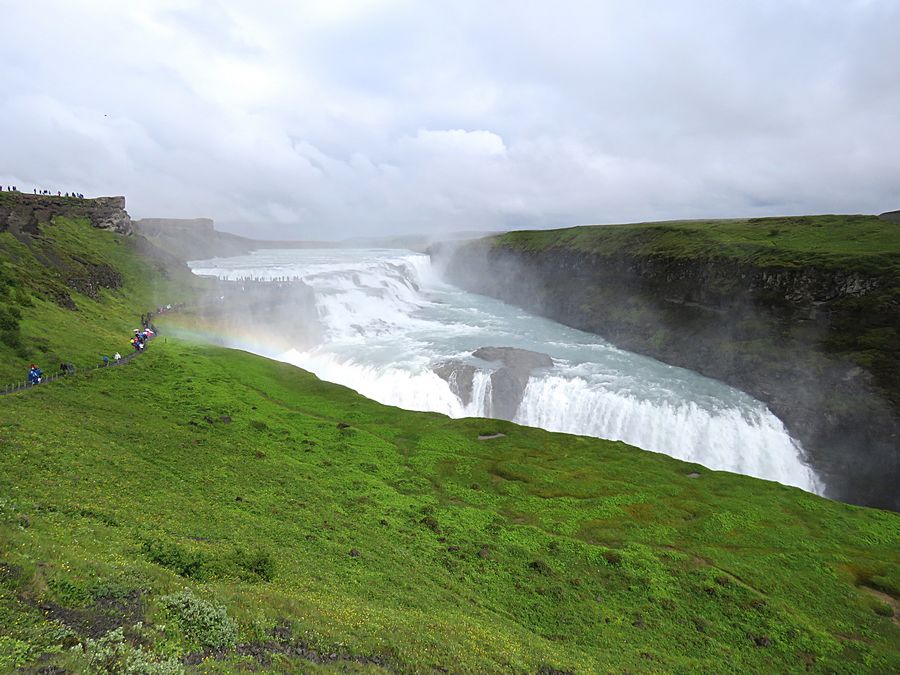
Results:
[21, 386]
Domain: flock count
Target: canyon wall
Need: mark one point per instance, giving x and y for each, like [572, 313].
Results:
[818, 344]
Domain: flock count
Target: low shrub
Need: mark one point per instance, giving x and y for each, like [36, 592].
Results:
[13, 653]
[112, 654]
[257, 564]
[203, 624]
[184, 562]
[9, 326]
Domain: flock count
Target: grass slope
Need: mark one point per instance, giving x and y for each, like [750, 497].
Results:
[854, 242]
[73, 294]
[251, 483]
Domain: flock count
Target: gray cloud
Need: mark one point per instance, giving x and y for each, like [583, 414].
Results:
[325, 120]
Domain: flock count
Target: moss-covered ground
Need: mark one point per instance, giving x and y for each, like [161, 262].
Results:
[209, 510]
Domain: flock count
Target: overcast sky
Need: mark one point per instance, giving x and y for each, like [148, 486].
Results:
[339, 118]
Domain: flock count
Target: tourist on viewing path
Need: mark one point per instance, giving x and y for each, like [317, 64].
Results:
[35, 374]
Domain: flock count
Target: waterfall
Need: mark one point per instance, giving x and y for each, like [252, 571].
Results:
[750, 441]
[389, 323]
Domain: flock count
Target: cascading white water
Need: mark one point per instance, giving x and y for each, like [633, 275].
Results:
[388, 321]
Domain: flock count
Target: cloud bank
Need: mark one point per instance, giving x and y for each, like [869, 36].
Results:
[343, 118]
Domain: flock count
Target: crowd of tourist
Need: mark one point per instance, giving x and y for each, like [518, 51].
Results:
[138, 341]
[59, 193]
[141, 337]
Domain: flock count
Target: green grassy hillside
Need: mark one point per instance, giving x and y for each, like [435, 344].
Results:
[400, 539]
[73, 293]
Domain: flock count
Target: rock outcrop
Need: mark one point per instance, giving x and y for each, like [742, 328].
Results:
[23, 214]
[509, 381]
[282, 316]
[90, 278]
[510, 369]
[460, 376]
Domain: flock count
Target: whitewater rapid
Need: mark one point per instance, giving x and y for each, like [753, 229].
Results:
[387, 320]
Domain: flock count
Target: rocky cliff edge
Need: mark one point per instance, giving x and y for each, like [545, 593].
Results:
[22, 213]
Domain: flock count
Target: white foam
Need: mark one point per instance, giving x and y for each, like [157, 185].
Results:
[748, 441]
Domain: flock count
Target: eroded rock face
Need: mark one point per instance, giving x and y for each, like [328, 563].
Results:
[460, 376]
[22, 213]
[508, 382]
[91, 278]
[285, 313]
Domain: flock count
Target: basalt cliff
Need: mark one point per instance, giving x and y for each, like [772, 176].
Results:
[808, 326]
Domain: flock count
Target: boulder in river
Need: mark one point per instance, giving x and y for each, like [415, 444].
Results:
[459, 376]
[508, 382]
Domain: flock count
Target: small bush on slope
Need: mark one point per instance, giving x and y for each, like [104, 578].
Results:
[205, 626]
[112, 654]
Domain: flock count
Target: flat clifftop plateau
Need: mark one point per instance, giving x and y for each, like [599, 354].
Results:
[197, 238]
[22, 213]
[800, 312]
[159, 226]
